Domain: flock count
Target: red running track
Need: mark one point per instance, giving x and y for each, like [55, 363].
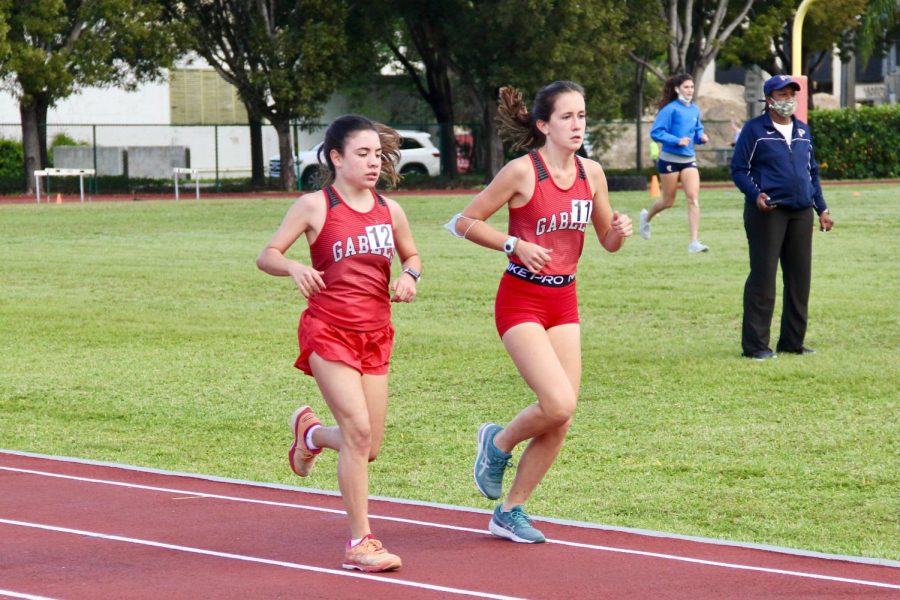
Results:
[71, 529]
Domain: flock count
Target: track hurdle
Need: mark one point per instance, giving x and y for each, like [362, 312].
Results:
[193, 173]
[60, 173]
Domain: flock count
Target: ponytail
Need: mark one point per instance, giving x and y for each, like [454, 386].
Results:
[390, 152]
[514, 121]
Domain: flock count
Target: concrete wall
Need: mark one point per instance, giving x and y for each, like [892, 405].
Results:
[156, 162]
[111, 160]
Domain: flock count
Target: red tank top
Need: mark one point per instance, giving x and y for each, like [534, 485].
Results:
[354, 250]
[554, 217]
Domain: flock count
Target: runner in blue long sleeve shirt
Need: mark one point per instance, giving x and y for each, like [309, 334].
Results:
[678, 128]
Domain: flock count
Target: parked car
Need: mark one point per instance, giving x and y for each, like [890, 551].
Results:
[465, 150]
[418, 155]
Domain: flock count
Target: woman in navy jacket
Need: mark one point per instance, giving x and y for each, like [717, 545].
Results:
[677, 127]
[774, 165]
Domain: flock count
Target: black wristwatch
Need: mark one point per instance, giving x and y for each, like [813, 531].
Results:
[412, 273]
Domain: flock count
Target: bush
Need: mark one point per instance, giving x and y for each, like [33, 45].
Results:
[467, 181]
[624, 183]
[12, 164]
[857, 144]
[12, 159]
[708, 174]
[63, 139]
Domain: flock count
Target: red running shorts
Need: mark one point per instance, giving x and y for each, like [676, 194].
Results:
[369, 352]
[519, 301]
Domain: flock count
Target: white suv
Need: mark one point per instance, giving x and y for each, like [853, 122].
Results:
[418, 155]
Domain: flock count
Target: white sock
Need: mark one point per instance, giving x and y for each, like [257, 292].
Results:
[352, 542]
[308, 438]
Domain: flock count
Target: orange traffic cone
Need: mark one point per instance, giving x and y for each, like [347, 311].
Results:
[59, 198]
[654, 187]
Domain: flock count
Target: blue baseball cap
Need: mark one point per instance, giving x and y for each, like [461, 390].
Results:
[779, 82]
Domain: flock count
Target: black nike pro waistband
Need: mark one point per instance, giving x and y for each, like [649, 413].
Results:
[545, 280]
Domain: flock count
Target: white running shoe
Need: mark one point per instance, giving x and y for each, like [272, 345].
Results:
[645, 225]
[695, 247]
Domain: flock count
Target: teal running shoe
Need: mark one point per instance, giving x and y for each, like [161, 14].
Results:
[490, 462]
[515, 525]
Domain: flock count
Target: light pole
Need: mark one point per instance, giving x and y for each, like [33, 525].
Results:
[797, 59]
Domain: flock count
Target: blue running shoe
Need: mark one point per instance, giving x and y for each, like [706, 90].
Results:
[515, 525]
[490, 462]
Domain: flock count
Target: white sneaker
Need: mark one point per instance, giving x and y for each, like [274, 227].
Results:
[695, 247]
[645, 225]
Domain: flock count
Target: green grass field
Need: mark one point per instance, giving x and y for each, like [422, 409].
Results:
[142, 333]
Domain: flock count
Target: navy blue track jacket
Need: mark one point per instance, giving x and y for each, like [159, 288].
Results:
[764, 162]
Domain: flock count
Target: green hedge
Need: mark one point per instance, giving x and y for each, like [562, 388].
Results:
[857, 144]
[12, 159]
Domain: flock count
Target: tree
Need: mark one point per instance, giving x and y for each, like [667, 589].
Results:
[423, 38]
[257, 166]
[285, 57]
[647, 48]
[762, 42]
[697, 31]
[529, 46]
[880, 17]
[767, 39]
[827, 25]
[5, 49]
[463, 51]
[648, 37]
[60, 46]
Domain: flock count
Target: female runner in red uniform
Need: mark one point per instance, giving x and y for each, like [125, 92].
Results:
[345, 333]
[551, 195]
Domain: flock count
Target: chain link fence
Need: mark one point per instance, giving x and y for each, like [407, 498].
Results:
[129, 157]
[627, 145]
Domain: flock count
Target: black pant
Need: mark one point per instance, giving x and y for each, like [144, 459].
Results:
[785, 236]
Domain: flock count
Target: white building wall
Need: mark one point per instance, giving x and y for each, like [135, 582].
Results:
[114, 117]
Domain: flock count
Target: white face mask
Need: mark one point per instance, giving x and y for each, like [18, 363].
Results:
[685, 99]
[784, 108]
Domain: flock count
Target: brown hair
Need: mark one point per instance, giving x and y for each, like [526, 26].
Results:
[669, 92]
[342, 128]
[516, 125]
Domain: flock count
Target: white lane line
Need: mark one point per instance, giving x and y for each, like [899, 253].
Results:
[738, 566]
[254, 559]
[11, 594]
[196, 494]
[257, 485]
[673, 557]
